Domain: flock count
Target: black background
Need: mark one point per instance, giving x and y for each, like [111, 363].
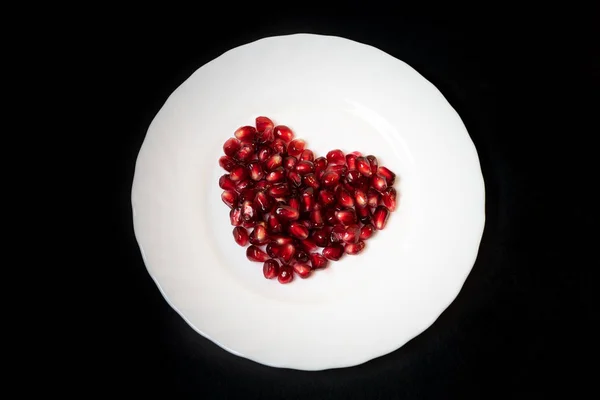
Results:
[526, 92]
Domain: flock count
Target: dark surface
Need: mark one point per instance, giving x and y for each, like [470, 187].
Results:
[519, 325]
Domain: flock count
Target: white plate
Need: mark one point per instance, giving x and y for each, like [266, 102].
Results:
[334, 93]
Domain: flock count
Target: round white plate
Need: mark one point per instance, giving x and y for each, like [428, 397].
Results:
[334, 93]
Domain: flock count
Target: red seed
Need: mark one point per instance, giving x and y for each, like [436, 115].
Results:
[351, 162]
[264, 153]
[373, 198]
[380, 217]
[318, 261]
[340, 169]
[281, 240]
[307, 155]
[333, 252]
[262, 185]
[305, 167]
[240, 235]
[265, 136]
[290, 163]
[337, 234]
[336, 157]
[225, 183]
[245, 133]
[263, 123]
[271, 269]
[389, 176]
[363, 166]
[346, 217]
[247, 194]
[351, 234]
[296, 147]
[254, 253]
[344, 199]
[235, 216]
[321, 236]
[311, 181]
[326, 198]
[302, 269]
[259, 235]
[357, 153]
[298, 230]
[354, 248]
[279, 146]
[316, 218]
[246, 152]
[277, 175]
[360, 198]
[373, 162]
[353, 177]
[231, 147]
[294, 202]
[256, 171]
[284, 133]
[229, 197]
[330, 218]
[364, 214]
[248, 224]
[274, 225]
[320, 164]
[279, 190]
[287, 213]
[263, 201]
[286, 274]
[227, 163]
[330, 178]
[273, 162]
[308, 245]
[238, 173]
[378, 183]
[287, 252]
[389, 199]
[273, 250]
[308, 199]
[301, 256]
[366, 231]
[244, 184]
[249, 213]
[295, 178]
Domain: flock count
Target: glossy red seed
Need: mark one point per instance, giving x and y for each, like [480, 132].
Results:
[235, 216]
[308, 245]
[227, 163]
[287, 213]
[256, 171]
[389, 198]
[363, 166]
[246, 152]
[287, 252]
[373, 198]
[351, 234]
[364, 183]
[364, 214]
[360, 198]
[254, 253]
[243, 185]
[238, 173]
[366, 231]
[295, 178]
[330, 178]
[281, 240]
[340, 169]
[330, 218]
[240, 235]
[321, 236]
[357, 153]
[230, 198]
[290, 162]
[248, 224]
[271, 269]
[353, 177]
[273, 162]
[231, 147]
[389, 176]
[249, 213]
[318, 261]
[344, 199]
[308, 199]
[279, 190]
[378, 182]
[272, 250]
[373, 162]
[262, 201]
[333, 252]
[311, 180]
[247, 194]
[354, 248]
[225, 183]
[263, 123]
[274, 225]
[286, 274]
[316, 218]
[262, 185]
[351, 162]
[380, 217]
[279, 147]
[326, 198]
[336, 157]
[320, 164]
[302, 269]
[307, 155]
[296, 147]
[337, 234]
[294, 202]
[346, 217]
[301, 256]
[298, 230]
[277, 175]
[245, 133]
[265, 136]
[259, 235]
[305, 167]
[284, 133]
[263, 153]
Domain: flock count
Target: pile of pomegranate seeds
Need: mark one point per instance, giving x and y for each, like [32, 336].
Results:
[287, 204]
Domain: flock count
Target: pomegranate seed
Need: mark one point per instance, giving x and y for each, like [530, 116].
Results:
[373, 162]
[281, 240]
[380, 217]
[344, 199]
[277, 175]
[273, 162]
[307, 223]
[225, 183]
[240, 235]
[263, 201]
[259, 235]
[229, 197]
[357, 153]
[248, 224]
[302, 269]
[363, 184]
[305, 167]
[320, 164]
[301, 256]
[346, 217]
[296, 147]
[366, 231]
[265, 136]
[378, 183]
[262, 185]
[363, 166]
[326, 198]
[307, 155]
[295, 178]
[308, 199]
[311, 181]
[330, 178]
[330, 218]
[274, 225]
[290, 163]
[336, 157]
[246, 152]
[351, 234]
[287, 252]
[333, 252]
[263, 123]
[227, 163]
[235, 216]
[321, 236]
[244, 184]
[264, 153]
[279, 146]
[238, 173]
[287, 213]
[247, 194]
[308, 245]
[294, 202]
[364, 214]
[256, 171]
[316, 218]
[279, 190]
[360, 198]
[245, 133]
[318, 261]
[352, 177]
[354, 248]
[286, 274]
[337, 234]
[271, 269]
[340, 169]
[254, 253]
[273, 250]
[284, 133]
[389, 199]
[373, 198]
[389, 176]
[351, 162]
[231, 147]
[298, 230]
[249, 213]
